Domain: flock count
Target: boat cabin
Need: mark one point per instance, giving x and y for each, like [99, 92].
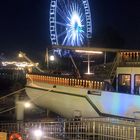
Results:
[128, 80]
[128, 73]
[125, 69]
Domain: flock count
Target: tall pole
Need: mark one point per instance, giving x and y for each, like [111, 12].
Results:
[47, 58]
[105, 58]
[88, 63]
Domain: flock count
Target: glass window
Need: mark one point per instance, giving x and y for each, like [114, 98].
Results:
[137, 80]
[124, 80]
[137, 84]
[124, 83]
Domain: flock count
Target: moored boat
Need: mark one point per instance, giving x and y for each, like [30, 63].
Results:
[70, 97]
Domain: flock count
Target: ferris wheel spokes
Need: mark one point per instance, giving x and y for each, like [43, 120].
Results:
[70, 22]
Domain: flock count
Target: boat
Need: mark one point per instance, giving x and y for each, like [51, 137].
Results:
[70, 97]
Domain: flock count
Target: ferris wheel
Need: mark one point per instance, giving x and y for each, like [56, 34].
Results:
[70, 22]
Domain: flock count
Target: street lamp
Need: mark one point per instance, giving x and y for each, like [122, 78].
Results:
[27, 105]
[49, 58]
[20, 55]
[52, 58]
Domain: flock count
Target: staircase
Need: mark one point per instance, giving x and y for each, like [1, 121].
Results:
[123, 59]
[106, 71]
[112, 73]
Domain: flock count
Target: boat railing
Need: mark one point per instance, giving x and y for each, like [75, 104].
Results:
[130, 58]
[83, 83]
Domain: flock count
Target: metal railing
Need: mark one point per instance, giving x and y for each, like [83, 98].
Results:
[129, 58]
[90, 129]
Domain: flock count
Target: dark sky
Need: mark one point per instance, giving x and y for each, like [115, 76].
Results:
[24, 23]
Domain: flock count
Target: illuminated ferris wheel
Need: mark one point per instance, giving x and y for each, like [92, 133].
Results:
[70, 22]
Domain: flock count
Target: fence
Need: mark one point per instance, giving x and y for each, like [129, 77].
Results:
[90, 129]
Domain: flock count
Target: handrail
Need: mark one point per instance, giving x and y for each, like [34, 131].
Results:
[11, 94]
[130, 56]
[112, 75]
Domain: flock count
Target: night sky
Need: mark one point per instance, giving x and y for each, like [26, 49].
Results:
[24, 24]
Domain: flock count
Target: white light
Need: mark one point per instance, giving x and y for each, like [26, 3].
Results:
[75, 19]
[89, 52]
[20, 55]
[38, 133]
[18, 64]
[27, 105]
[52, 58]
[76, 32]
[75, 26]
[89, 73]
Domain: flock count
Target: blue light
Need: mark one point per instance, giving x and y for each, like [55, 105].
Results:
[75, 27]
[70, 23]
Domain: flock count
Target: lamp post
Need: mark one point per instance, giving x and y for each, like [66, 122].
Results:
[88, 53]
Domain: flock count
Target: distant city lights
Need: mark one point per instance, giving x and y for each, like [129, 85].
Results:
[19, 64]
